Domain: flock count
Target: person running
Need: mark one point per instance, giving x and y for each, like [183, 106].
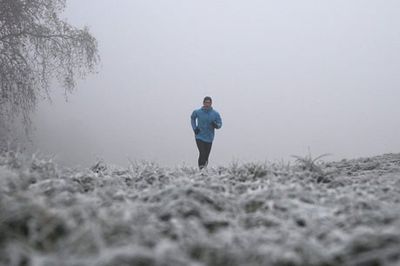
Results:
[204, 122]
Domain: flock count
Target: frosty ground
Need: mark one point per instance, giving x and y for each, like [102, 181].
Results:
[307, 213]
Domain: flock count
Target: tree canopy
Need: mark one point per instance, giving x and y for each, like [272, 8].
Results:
[37, 47]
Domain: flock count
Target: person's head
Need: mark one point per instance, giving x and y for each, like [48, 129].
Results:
[207, 102]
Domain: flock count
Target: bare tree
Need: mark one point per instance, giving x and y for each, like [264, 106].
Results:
[37, 47]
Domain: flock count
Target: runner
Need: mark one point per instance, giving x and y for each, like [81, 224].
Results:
[204, 122]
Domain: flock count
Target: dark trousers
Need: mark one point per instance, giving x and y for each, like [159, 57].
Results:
[204, 152]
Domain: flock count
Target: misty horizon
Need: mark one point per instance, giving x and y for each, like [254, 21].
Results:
[285, 77]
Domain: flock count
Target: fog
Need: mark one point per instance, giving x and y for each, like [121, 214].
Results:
[286, 76]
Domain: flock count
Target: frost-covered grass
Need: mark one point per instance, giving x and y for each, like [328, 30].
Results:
[345, 213]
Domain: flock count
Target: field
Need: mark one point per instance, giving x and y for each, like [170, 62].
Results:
[306, 213]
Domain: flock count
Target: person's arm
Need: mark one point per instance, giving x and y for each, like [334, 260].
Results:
[193, 120]
[218, 121]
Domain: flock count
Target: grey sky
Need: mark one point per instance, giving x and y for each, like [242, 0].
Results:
[284, 75]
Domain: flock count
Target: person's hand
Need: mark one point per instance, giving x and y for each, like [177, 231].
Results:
[197, 131]
[214, 124]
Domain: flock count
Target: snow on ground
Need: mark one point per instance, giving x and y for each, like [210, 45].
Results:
[336, 213]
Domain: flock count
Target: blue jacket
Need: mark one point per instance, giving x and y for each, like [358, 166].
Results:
[205, 119]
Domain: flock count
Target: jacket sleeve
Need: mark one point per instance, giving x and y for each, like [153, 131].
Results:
[193, 120]
[218, 121]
